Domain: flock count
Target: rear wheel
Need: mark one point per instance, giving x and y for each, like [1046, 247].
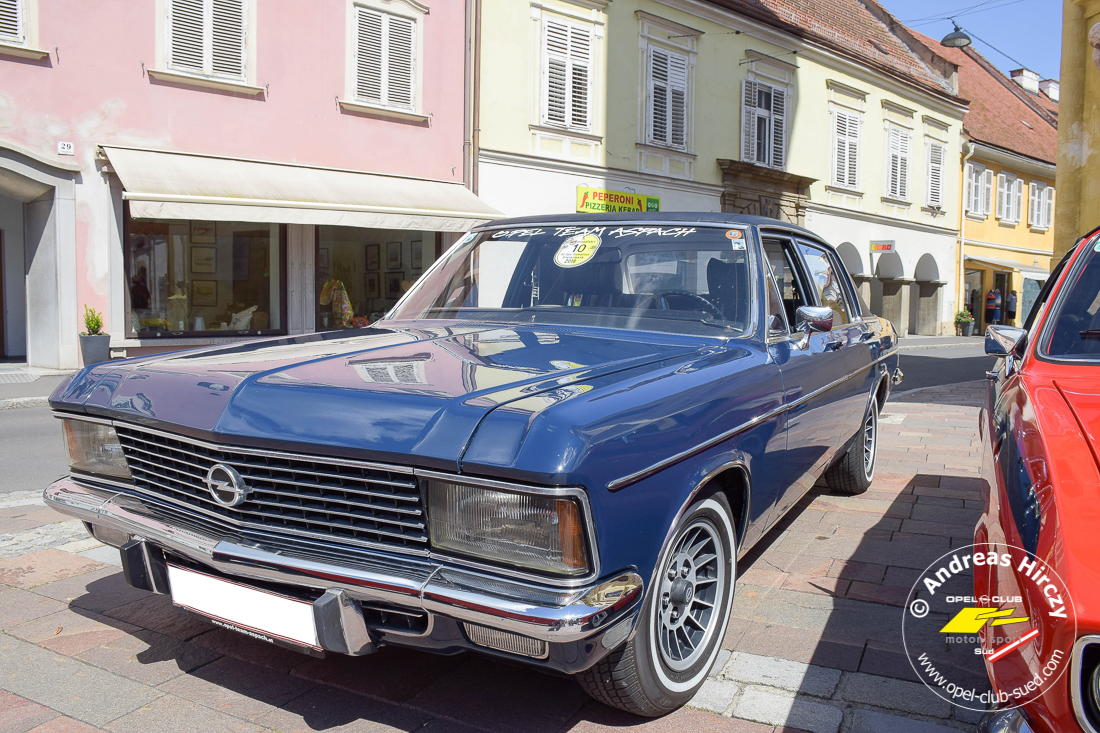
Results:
[682, 623]
[852, 474]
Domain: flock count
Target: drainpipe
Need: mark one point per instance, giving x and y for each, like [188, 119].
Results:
[475, 133]
[962, 231]
[467, 91]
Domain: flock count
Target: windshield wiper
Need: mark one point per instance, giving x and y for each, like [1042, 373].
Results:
[1090, 333]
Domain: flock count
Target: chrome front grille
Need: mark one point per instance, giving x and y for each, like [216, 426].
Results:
[292, 495]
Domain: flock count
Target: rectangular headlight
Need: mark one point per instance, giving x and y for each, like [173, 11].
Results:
[94, 448]
[529, 530]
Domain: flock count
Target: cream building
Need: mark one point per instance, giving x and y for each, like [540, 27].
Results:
[725, 105]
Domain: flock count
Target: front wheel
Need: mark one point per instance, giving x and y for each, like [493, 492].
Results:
[682, 623]
[853, 472]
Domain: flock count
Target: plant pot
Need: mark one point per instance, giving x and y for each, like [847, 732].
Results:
[95, 349]
[970, 329]
[959, 329]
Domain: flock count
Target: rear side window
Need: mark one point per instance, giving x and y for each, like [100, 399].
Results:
[826, 278]
[1076, 332]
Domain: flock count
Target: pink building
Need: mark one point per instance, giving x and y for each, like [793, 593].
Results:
[200, 170]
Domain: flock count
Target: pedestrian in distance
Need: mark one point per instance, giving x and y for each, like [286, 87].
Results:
[1010, 306]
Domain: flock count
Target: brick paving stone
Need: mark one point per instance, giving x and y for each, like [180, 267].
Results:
[157, 613]
[390, 673]
[807, 679]
[17, 714]
[938, 528]
[926, 512]
[763, 577]
[64, 724]
[19, 606]
[43, 537]
[767, 707]
[99, 590]
[148, 657]
[70, 633]
[88, 693]
[38, 568]
[336, 711]
[236, 645]
[237, 688]
[864, 571]
[597, 718]
[168, 712]
[715, 696]
[889, 595]
[797, 645]
[911, 697]
[887, 661]
[816, 584]
[502, 697]
[869, 721]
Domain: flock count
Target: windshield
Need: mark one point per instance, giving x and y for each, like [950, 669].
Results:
[675, 279]
[1076, 332]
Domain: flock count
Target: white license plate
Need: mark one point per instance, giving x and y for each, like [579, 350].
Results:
[257, 613]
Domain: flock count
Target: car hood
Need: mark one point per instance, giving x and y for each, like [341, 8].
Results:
[397, 393]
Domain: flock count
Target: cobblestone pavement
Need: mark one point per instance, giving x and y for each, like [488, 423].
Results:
[814, 643]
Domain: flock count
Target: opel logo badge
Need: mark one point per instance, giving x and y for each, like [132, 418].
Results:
[226, 485]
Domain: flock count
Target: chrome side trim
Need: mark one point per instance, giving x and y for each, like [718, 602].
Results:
[84, 418]
[551, 614]
[563, 491]
[1076, 681]
[620, 483]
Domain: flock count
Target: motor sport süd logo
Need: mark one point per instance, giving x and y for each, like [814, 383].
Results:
[1023, 631]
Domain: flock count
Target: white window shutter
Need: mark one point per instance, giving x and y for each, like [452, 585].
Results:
[987, 192]
[556, 47]
[779, 128]
[971, 188]
[11, 21]
[400, 62]
[1018, 200]
[1048, 206]
[935, 174]
[185, 35]
[1033, 206]
[1002, 195]
[840, 148]
[368, 56]
[898, 163]
[903, 165]
[748, 121]
[580, 54]
[228, 37]
[677, 84]
[658, 96]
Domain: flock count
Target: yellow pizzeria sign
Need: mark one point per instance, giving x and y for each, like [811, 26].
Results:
[595, 200]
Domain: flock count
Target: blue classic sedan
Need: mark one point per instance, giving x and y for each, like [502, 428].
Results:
[553, 449]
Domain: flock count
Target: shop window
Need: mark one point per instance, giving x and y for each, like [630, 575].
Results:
[203, 277]
[361, 273]
[207, 37]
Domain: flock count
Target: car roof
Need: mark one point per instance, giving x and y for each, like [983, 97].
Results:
[647, 218]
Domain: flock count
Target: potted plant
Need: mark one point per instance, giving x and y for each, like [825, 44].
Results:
[964, 323]
[95, 346]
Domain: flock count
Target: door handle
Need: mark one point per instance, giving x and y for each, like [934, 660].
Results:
[833, 345]
[866, 336]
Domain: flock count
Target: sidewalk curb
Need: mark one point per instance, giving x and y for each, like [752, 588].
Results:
[16, 403]
[937, 386]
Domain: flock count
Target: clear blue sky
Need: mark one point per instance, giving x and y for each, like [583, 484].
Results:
[1030, 31]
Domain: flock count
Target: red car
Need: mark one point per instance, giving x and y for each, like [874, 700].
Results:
[1041, 463]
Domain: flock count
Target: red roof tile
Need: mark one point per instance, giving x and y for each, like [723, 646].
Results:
[1001, 114]
[849, 27]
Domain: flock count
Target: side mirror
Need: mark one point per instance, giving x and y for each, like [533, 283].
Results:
[1003, 340]
[814, 319]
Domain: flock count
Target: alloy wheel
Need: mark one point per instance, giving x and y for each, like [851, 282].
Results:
[691, 590]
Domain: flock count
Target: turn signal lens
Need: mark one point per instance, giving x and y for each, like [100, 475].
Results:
[529, 530]
[94, 448]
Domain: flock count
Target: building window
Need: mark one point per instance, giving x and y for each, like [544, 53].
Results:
[1010, 198]
[203, 276]
[936, 154]
[207, 37]
[362, 272]
[12, 22]
[385, 59]
[668, 98]
[897, 163]
[763, 124]
[846, 149]
[1040, 210]
[567, 74]
[979, 190]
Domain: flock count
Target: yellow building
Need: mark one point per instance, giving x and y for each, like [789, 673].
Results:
[762, 107]
[1008, 178]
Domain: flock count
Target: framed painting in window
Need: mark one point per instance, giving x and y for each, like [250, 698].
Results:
[204, 260]
[373, 261]
[393, 256]
[202, 232]
[393, 285]
[372, 284]
[417, 256]
[204, 292]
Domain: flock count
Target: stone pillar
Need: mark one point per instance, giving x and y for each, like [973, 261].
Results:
[895, 304]
[928, 308]
[863, 288]
[300, 285]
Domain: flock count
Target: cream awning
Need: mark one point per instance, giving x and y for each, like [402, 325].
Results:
[1032, 272]
[167, 185]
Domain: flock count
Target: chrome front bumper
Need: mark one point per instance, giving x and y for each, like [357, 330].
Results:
[1004, 721]
[548, 614]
